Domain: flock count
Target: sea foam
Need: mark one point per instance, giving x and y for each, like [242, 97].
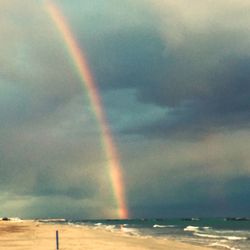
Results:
[218, 244]
[191, 229]
[162, 226]
[220, 236]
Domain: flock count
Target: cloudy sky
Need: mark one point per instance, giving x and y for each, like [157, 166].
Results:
[174, 79]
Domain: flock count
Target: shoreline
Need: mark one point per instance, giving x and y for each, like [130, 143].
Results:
[32, 234]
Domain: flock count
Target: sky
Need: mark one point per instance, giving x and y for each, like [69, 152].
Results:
[173, 76]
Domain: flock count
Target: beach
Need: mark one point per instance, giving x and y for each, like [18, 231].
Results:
[27, 235]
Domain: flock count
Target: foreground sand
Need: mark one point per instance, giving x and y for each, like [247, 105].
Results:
[28, 235]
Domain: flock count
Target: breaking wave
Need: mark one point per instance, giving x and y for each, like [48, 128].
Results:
[162, 226]
[191, 229]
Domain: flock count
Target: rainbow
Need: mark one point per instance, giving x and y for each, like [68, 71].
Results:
[81, 63]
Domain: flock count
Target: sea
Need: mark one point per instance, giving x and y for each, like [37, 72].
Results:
[219, 233]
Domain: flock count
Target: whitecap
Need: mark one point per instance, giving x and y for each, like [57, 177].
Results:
[110, 227]
[130, 231]
[218, 244]
[191, 229]
[235, 238]
[220, 236]
[212, 236]
[162, 226]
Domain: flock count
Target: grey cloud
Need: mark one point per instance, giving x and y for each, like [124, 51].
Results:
[126, 59]
[191, 61]
[222, 103]
[189, 177]
[203, 79]
[172, 72]
[36, 75]
[50, 144]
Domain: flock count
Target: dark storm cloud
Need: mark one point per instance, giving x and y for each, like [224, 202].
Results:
[201, 177]
[191, 61]
[128, 59]
[193, 199]
[172, 68]
[203, 82]
[223, 102]
[49, 140]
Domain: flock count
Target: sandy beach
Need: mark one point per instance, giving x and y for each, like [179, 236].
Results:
[26, 235]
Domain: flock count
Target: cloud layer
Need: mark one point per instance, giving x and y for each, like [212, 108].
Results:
[174, 80]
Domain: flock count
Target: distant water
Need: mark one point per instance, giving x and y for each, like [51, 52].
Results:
[233, 234]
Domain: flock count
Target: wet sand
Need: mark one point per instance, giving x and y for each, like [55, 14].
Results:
[27, 235]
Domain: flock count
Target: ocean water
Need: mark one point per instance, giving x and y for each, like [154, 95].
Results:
[220, 233]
